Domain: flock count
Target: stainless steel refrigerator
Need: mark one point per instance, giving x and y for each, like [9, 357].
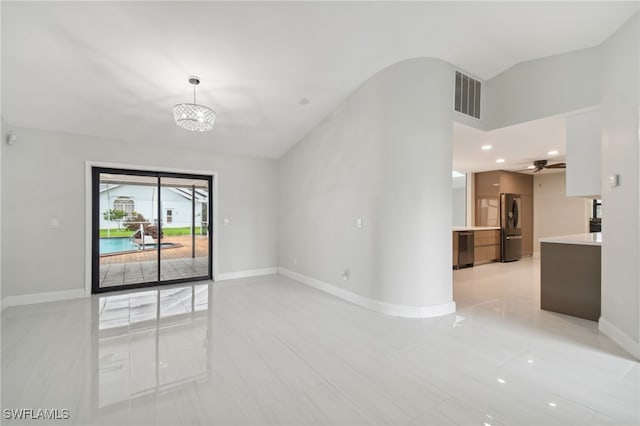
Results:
[511, 227]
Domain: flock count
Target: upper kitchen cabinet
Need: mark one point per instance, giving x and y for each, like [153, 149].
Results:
[487, 198]
[583, 154]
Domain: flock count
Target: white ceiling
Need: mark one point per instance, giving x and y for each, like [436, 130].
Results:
[517, 145]
[114, 69]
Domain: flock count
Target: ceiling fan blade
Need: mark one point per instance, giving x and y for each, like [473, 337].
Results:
[556, 166]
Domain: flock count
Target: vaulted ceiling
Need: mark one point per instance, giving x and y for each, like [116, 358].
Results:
[272, 71]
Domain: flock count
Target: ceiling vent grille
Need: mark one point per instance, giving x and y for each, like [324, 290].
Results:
[467, 95]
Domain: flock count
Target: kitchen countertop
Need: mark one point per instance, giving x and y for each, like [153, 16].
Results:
[591, 239]
[474, 228]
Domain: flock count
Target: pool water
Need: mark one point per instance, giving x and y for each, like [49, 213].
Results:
[115, 245]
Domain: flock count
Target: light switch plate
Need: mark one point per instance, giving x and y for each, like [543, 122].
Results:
[614, 181]
[55, 223]
[359, 223]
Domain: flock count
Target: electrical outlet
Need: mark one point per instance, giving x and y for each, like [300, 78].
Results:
[346, 274]
[359, 223]
[55, 223]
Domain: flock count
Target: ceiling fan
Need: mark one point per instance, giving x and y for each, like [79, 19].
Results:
[542, 164]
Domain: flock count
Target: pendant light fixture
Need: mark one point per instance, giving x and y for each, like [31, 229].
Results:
[194, 117]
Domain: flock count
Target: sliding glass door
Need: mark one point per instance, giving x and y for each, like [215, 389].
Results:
[185, 213]
[149, 228]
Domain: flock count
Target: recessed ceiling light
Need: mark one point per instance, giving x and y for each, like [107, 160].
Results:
[531, 167]
[553, 152]
[500, 160]
[553, 404]
[486, 147]
[503, 381]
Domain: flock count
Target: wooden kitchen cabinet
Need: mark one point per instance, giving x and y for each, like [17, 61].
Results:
[486, 246]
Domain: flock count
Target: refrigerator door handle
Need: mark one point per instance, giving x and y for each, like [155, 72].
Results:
[514, 237]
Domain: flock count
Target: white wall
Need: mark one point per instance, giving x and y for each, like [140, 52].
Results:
[544, 87]
[553, 212]
[384, 155]
[620, 218]
[43, 177]
[584, 146]
[3, 135]
[459, 204]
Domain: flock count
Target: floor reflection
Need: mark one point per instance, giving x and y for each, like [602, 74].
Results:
[150, 341]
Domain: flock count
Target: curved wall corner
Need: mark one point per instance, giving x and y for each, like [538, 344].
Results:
[384, 156]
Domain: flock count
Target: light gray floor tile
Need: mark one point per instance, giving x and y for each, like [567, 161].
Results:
[270, 351]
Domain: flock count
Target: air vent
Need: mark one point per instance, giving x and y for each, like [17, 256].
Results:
[467, 95]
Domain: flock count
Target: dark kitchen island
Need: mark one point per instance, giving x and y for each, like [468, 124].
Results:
[570, 275]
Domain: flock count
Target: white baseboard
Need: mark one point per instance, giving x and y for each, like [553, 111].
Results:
[618, 336]
[248, 273]
[371, 304]
[52, 296]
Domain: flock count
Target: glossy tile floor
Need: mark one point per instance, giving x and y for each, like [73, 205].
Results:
[269, 351]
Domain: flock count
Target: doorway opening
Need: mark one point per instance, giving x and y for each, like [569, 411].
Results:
[149, 228]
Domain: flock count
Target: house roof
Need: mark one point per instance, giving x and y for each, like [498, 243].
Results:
[200, 193]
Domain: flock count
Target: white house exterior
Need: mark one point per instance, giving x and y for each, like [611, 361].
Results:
[176, 204]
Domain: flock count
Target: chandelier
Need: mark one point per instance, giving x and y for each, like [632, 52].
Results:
[194, 117]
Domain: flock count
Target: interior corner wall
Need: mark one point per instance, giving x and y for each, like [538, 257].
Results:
[544, 87]
[621, 156]
[384, 156]
[553, 212]
[43, 177]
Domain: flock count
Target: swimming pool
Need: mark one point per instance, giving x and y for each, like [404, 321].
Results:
[123, 244]
[115, 245]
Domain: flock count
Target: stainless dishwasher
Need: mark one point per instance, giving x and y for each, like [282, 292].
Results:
[465, 249]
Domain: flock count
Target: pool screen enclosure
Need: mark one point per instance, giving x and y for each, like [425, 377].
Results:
[149, 228]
